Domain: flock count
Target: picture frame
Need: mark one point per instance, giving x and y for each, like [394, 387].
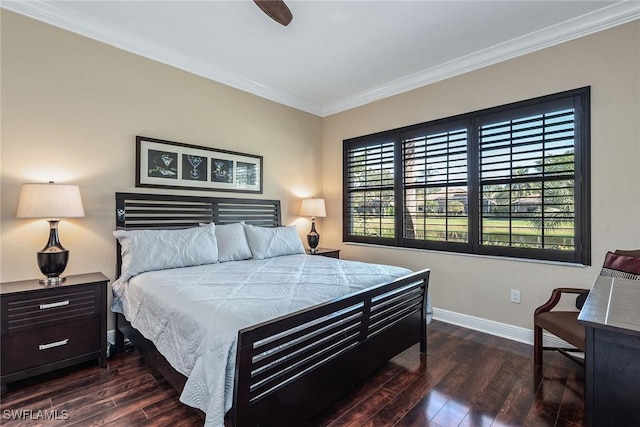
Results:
[170, 164]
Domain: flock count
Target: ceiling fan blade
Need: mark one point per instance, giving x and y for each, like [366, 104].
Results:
[276, 9]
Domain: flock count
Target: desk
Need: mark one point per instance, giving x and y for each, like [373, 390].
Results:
[611, 315]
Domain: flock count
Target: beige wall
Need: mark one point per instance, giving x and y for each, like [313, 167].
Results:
[71, 108]
[609, 62]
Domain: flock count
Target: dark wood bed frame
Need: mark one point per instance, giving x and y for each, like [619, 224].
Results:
[290, 368]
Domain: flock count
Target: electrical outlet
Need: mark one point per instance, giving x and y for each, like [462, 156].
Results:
[515, 296]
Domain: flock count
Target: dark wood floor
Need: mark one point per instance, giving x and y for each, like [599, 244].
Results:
[466, 379]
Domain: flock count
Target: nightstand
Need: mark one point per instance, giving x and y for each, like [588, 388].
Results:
[331, 253]
[45, 328]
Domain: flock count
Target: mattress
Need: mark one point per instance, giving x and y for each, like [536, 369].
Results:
[193, 314]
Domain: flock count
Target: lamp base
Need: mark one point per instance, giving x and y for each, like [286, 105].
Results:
[313, 238]
[53, 258]
[52, 281]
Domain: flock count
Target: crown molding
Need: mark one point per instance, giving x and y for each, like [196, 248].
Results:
[52, 13]
[616, 14]
[95, 29]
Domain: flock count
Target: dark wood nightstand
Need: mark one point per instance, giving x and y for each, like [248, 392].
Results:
[45, 328]
[328, 252]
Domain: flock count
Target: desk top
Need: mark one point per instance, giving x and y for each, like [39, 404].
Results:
[613, 304]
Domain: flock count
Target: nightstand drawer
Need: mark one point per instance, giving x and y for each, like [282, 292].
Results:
[30, 349]
[33, 310]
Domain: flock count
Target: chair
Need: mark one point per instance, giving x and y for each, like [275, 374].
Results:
[564, 324]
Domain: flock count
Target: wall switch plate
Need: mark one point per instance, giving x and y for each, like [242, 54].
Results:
[515, 296]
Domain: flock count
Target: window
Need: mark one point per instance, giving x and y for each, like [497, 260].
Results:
[506, 181]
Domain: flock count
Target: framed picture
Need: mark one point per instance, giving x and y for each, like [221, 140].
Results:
[168, 164]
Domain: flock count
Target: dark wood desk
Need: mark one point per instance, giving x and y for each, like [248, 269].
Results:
[611, 315]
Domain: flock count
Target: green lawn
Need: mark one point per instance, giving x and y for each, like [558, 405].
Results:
[495, 231]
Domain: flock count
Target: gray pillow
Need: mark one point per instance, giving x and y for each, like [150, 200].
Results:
[149, 250]
[232, 242]
[267, 242]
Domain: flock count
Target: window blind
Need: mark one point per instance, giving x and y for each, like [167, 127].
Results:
[527, 180]
[370, 191]
[512, 180]
[435, 186]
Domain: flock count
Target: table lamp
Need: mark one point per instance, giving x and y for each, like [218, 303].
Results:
[51, 202]
[313, 208]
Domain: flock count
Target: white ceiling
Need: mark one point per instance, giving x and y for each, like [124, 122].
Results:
[334, 55]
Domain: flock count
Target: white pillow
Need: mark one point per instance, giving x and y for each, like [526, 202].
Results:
[272, 242]
[232, 242]
[148, 250]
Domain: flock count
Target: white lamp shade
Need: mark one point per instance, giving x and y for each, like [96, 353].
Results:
[50, 201]
[313, 207]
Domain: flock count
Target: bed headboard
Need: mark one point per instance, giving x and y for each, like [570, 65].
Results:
[137, 210]
[149, 211]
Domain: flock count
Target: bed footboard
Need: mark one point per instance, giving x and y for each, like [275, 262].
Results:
[289, 369]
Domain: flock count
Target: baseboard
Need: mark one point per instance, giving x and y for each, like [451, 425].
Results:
[504, 330]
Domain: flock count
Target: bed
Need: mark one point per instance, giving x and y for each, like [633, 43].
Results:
[321, 325]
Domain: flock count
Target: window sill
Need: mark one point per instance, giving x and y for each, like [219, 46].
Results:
[500, 258]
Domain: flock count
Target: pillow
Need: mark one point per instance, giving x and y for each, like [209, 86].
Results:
[272, 242]
[621, 266]
[232, 242]
[148, 250]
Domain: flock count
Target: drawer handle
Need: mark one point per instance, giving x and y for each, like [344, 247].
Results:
[54, 304]
[53, 344]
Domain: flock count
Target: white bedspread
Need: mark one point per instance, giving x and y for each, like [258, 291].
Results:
[193, 314]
